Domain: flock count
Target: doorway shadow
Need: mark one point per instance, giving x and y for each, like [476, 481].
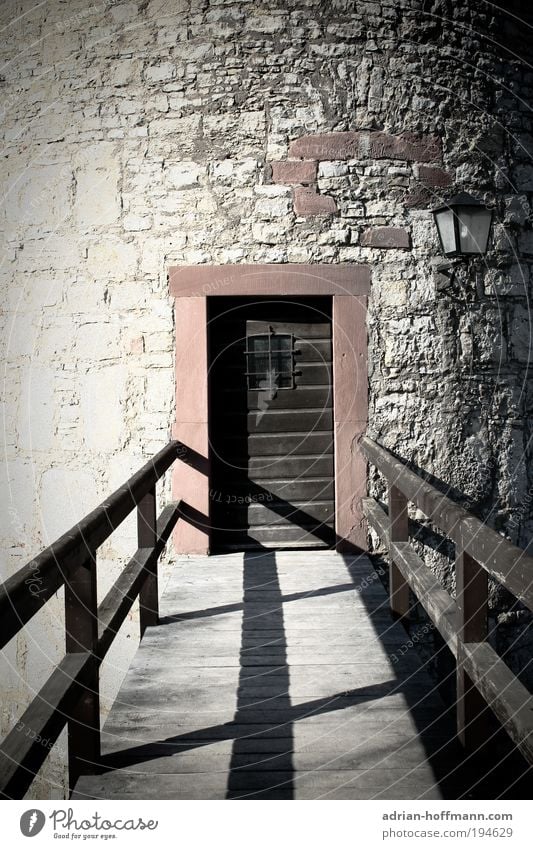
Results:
[263, 653]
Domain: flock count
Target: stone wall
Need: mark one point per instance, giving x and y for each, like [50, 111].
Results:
[138, 135]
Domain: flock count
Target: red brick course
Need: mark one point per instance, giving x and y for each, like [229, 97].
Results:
[294, 171]
[407, 147]
[385, 237]
[421, 196]
[307, 202]
[326, 146]
[431, 175]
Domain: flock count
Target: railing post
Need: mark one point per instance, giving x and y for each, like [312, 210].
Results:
[398, 532]
[147, 536]
[472, 607]
[81, 635]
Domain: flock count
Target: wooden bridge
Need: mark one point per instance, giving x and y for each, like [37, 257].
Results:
[276, 674]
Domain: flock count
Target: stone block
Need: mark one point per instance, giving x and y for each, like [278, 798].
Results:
[523, 178]
[36, 407]
[297, 171]
[521, 335]
[97, 341]
[40, 198]
[123, 72]
[85, 297]
[332, 169]
[295, 253]
[264, 24]
[184, 175]
[55, 338]
[128, 295]
[112, 259]
[136, 223]
[269, 233]
[166, 8]
[525, 242]
[97, 197]
[159, 396]
[123, 13]
[393, 293]
[17, 493]
[101, 407]
[513, 280]
[432, 175]
[162, 72]
[40, 291]
[66, 495]
[517, 210]
[267, 208]
[184, 132]
[20, 339]
[308, 203]
[385, 237]
[271, 191]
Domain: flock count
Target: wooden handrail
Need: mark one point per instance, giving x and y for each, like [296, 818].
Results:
[71, 693]
[482, 676]
[51, 568]
[505, 562]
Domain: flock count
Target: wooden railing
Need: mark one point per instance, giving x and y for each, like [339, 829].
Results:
[483, 678]
[70, 696]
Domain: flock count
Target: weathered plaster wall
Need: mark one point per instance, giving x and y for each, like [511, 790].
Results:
[138, 135]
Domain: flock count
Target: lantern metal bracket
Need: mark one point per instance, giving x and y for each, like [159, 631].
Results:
[449, 269]
[460, 278]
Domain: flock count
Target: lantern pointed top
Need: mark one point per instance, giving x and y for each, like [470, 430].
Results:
[460, 199]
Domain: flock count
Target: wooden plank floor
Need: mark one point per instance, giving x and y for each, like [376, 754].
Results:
[272, 675]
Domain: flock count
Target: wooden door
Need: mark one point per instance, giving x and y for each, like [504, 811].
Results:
[271, 423]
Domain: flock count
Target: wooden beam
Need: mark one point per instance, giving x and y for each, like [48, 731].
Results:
[81, 635]
[115, 606]
[508, 564]
[503, 692]
[472, 609]
[442, 511]
[26, 747]
[440, 607]
[398, 532]
[147, 538]
[377, 518]
[120, 598]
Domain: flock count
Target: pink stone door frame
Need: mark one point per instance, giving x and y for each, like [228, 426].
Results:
[191, 286]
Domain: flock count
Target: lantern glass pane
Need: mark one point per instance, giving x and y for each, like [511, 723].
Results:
[444, 222]
[474, 227]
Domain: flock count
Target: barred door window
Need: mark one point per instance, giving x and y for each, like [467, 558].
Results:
[270, 361]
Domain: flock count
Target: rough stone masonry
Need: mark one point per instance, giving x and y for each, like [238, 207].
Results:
[142, 134]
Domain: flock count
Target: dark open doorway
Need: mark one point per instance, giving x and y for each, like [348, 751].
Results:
[271, 423]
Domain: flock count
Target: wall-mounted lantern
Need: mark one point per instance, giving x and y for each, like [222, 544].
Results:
[463, 225]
